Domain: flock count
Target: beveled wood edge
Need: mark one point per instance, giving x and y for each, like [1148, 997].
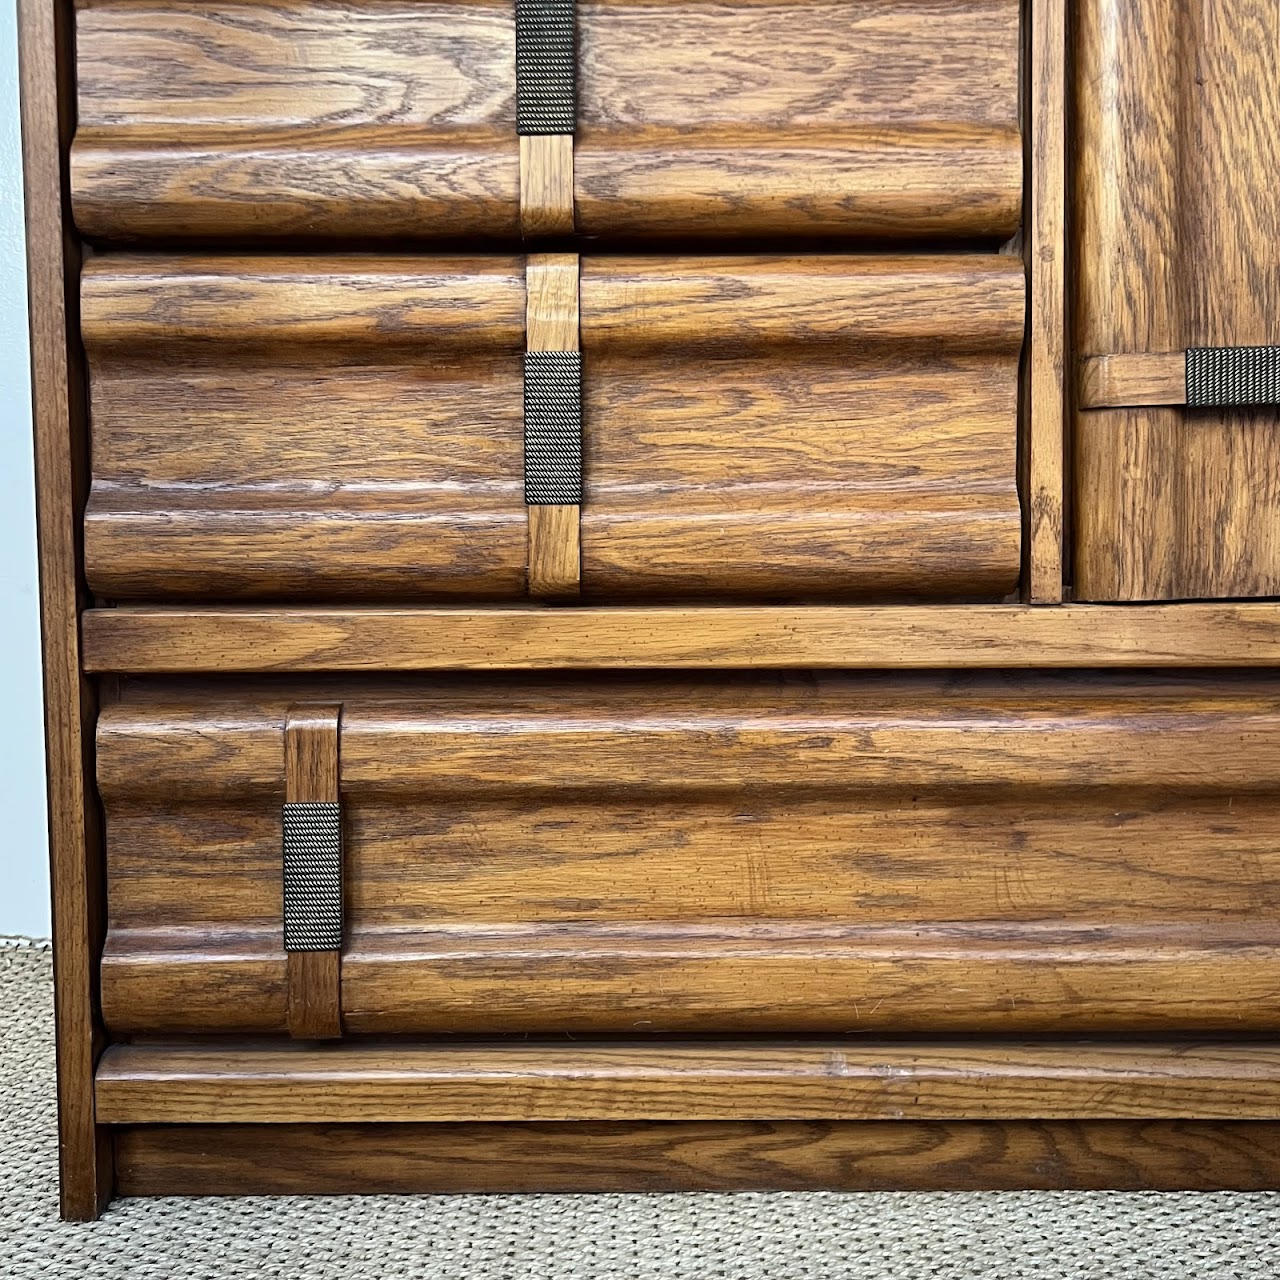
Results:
[1133, 380]
[218, 1083]
[1045, 389]
[45, 56]
[168, 640]
[584, 1156]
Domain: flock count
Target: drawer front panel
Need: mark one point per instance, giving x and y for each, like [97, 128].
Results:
[732, 856]
[284, 428]
[832, 427]
[299, 119]
[352, 428]
[396, 118]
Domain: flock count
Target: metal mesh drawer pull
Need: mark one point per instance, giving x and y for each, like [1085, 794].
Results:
[312, 875]
[1227, 376]
[552, 428]
[546, 90]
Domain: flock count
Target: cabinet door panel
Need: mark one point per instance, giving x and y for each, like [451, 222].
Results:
[1178, 245]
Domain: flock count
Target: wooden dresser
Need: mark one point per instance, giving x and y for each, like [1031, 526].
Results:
[660, 594]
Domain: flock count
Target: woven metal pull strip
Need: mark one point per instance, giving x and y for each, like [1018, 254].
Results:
[552, 428]
[546, 67]
[312, 875]
[1227, 376]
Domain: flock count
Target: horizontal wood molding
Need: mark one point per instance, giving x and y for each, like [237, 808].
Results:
[581, 1156]
[546, 185]
[217, 1084]
[147, 640]
[1132, 380]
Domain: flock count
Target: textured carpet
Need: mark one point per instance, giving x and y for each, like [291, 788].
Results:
[992, 1236]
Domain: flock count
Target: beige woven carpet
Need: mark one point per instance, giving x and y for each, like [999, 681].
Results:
[994, 1236]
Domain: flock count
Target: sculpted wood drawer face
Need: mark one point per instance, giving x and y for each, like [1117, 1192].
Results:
[352, 427]
[396, 119]
[927, 855]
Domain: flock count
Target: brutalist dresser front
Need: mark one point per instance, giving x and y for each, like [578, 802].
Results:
[559, 556]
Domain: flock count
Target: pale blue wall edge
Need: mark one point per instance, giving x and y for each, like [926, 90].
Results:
[24, 863]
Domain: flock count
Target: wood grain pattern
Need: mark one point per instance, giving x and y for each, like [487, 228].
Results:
[546, 185]
[150, 640]
[255, 1084]
[313, 979]
[831, 427]
[61, 473]
[552, 324]
[309, 120]
[1178, 222]
[858, 1155]
[1121, 381]
[819, 119]
[555, 552]
[1046, 261]
[756, 427]
[296, 118]
[342, 428]
[923, 855]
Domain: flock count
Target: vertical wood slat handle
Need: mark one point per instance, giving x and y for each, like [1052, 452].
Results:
[546, 114]
[552, 322]
[313, 979]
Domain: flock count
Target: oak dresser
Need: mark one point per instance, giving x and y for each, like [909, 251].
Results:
[659, 594]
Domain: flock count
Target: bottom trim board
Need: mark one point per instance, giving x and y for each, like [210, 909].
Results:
[526, 1082]
[1120, 1155]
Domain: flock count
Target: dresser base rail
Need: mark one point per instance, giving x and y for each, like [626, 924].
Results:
[866, 1155]
[399, 1082]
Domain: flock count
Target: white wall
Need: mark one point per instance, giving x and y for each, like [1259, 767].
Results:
[24, 880]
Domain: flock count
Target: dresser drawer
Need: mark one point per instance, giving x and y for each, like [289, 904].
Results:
[353, 428]
[931, 855]
[396, 118]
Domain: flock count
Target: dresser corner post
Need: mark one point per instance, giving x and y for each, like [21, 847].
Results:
[59, 418]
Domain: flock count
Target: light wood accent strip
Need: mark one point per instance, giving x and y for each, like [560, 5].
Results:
[143, 640]
[724, 1155]
[546, 185]
[313, 979]
[154, 1084]
[552, 311]
[46, 54]
[1047, 313]
[1133, 380]
[552, 324]
[555, 552]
